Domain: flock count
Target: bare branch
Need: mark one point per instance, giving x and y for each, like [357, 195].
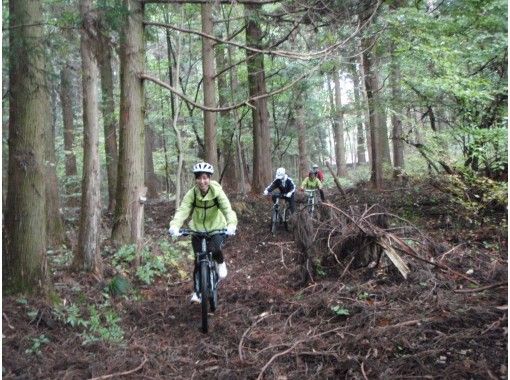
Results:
[281, 53]
[238, 105]
[231, 2]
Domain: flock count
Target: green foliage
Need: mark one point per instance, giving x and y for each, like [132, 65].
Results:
[340, 311]
[474, 197]
[152, 264]
[103, 327]
[96, 324]
[37, 344]
[125, 255]
[119, 285]
[363, 296]
[319, 269]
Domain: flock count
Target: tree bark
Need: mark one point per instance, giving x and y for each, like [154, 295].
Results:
[371, 86]
[341, 168]
[260, 115]
[128, 226]
[88, 255]
[360, 132]
[66, 99]
[109, 117]
[382, 121]
[151, 180]
[240, 162]
[210, 143]
[25, 265]
[229, 178]
[54, 222]
[301, 129]
[398, 144]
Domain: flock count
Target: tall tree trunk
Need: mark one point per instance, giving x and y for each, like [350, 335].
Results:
[151, 180]
[66, 100]
[54, 222]
[341, 169]
[88, 255]
[128, 225]
[398, 144]
[358, 100]
[301, 129]
[25, 264]
[234, 89]
[260, 115]
[109, 117]
[174, 74]
[229, 178]
[382, 121]
[211, 155]
[364, 102]
[371, 86]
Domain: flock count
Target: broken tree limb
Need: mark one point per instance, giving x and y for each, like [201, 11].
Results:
[400, 264]
[405, 248]
[482, 288]
[335, 178]
[119, 374]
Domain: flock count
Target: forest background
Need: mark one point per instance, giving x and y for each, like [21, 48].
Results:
[108, 103]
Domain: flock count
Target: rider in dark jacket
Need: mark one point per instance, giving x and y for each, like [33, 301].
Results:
[286, 186]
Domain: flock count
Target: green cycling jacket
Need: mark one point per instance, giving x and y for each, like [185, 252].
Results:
[311, 183]
[209, 212]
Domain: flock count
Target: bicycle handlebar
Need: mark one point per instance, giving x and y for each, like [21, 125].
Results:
[188, 231]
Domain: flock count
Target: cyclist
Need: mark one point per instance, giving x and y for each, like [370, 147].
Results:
[312, 183]
[286, 186]
[210, 209]
[318, 172]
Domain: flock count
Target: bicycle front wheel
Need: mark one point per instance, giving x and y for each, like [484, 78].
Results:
[213, 293]
[204, 292]
[274, 221]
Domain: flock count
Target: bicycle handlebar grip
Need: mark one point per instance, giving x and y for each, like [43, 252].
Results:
[184, 232]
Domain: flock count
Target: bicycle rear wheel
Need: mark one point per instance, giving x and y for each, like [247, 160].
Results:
[204, 293]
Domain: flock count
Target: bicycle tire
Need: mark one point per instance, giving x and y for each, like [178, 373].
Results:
[274, 221]
[204, 293]
[285, 218]
[213, 282]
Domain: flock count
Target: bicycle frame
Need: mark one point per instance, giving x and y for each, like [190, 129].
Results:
[207, 275]
[279, 215]
[311, 199]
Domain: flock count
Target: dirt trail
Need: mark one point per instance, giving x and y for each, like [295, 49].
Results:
[360, 325]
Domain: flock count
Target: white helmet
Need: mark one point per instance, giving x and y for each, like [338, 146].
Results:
[203, 167]
[280, 173]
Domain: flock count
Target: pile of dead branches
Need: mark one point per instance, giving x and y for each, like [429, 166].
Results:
[362, 237]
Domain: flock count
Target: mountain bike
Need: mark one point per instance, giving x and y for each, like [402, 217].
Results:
[279, 215]
[206, 279]
[311, 200]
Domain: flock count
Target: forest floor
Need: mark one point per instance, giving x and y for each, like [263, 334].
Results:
[343, 321]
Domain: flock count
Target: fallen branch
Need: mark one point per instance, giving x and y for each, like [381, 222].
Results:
[240, 348]
[122, 373]
[335, 178]
[405, 248]
[482, 288]
[294, 346]
[7, 320]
